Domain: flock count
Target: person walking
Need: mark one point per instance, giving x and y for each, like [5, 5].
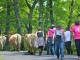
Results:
[53, 45]
[50, 41]
[40, 40]
[75, 34]
[59, 42]
[68, 41]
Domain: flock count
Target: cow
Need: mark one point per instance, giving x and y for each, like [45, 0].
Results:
[31, 43]
[2, 42]
[15, 41]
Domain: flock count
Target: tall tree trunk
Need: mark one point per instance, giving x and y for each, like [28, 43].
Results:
[71, 11]
[40, 12]
[51, 12]
[7, 24]
[8, 18]
[30, 22]
[46, 20]
[78, 14]
[31, 8]
[0, 26]
[16, 8]
[45, 26]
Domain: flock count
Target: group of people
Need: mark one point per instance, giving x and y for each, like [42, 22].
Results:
[57, 38]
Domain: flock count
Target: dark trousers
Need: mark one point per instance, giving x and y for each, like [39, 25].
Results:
[40, 50]
[77, 43]
[68, 47]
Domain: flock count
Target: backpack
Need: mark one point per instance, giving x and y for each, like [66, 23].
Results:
[58, 34]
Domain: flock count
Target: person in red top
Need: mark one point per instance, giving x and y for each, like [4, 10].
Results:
[75, 34]
[49, 41]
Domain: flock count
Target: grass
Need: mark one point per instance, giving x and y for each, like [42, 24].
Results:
[0, 57]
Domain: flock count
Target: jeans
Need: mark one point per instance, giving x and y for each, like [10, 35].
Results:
[53, 49]
[59, 48]
[50, 46]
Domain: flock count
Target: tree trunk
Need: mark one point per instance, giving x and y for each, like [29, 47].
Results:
[1, 27]
[16, 8]
[8, 18]
[51, 12]
[7, 24]
[71, 11]
[30, 22]
[78, 14]
[31, 8]
[45, 26]
[40, 12]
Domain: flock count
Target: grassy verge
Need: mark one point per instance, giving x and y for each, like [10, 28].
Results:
[0, 57]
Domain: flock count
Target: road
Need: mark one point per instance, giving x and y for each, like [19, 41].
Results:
[23, 55]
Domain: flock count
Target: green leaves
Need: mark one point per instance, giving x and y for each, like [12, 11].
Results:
[61, 12]
[0, 57]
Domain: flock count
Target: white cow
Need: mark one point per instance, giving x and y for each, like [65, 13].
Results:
[15, 41]
[2, 42]
[31, 43]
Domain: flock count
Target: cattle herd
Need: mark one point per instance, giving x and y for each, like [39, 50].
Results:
[15, 42]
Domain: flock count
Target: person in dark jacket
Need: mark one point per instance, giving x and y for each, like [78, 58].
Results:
[40, 40]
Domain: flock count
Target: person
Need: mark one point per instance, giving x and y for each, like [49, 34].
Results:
[75, 34]
[53, 26]
[50, 41]
[40, 40]
[68, 41]
[59, 41]
[53, 45]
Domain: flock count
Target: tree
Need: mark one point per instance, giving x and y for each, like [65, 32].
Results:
[71, 11]
[7, 18]
[7, 23]
[40, 12]
[51, 12]
[31, 8]
[16, 9]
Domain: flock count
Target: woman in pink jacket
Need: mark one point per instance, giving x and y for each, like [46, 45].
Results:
[75, 32]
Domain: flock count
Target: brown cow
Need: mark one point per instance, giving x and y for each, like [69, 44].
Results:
[2, 41]
[31, 43]
[15, 41]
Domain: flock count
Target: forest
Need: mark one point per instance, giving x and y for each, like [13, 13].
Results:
[25, 16]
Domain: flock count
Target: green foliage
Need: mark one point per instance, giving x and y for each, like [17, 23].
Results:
[1, 57]
[61, 13]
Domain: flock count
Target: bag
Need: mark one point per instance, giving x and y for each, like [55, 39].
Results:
[58, 35]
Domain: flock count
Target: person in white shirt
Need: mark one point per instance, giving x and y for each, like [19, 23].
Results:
[68, 41]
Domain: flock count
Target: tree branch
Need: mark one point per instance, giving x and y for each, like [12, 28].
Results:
[28, 4]
[34, 4]
[26, 27]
